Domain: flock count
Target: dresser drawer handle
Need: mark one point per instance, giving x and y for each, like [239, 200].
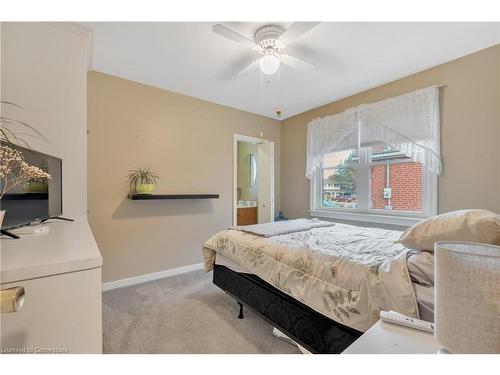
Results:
[12, 299]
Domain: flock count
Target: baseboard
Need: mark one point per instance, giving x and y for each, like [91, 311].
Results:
[150, 277]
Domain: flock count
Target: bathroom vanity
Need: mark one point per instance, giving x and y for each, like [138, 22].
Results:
[247, 212]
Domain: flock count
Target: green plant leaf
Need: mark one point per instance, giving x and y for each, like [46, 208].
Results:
[142, 175]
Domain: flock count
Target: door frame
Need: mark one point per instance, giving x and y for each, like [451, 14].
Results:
[245, 138]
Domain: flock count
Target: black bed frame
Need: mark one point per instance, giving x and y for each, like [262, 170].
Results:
[312, 330]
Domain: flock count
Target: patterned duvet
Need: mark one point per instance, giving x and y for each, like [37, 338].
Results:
[345, 272]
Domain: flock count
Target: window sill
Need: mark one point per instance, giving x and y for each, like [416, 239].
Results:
[366, 217]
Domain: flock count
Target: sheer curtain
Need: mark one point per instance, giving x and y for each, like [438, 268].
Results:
[410, 122]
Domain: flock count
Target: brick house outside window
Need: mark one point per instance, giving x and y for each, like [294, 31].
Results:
[395, 182]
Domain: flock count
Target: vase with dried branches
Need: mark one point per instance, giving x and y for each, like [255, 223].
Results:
[14, 170]
[8, 126]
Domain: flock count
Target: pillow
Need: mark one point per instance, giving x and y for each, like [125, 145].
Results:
[464, 225]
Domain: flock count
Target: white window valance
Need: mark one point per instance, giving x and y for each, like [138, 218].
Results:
[410, 122]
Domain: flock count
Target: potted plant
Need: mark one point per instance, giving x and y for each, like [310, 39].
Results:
[142, 180]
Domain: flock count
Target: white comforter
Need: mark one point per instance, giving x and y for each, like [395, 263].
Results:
[345, 272]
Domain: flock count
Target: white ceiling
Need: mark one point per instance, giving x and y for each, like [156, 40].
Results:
[350, 57]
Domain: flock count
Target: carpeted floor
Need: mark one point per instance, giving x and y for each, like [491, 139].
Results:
[183, 314]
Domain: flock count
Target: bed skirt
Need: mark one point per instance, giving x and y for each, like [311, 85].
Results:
[312, 330]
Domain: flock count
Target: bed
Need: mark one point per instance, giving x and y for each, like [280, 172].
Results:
[321, 283]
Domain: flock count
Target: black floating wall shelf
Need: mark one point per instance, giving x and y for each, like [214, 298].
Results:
[136, 197]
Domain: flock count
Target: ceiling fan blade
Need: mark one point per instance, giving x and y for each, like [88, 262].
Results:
[252, 66]
[296, 31]
[226, 32]
[295, 61]
[240, 66]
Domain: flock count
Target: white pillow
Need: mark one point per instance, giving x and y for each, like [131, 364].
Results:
[465, 225]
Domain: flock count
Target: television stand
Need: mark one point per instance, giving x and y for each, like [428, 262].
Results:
[57, 218]
[9, 234]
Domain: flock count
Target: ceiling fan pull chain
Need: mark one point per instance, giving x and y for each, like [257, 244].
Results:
[261, 92]
[279, 111]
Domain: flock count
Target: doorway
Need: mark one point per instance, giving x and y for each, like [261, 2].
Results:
[253, 180]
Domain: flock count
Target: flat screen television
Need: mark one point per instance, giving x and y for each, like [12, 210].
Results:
[37, 200]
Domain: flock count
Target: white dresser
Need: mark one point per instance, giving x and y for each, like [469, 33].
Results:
[61, 273]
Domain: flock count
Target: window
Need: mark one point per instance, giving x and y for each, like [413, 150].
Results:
[378, 183]
[340, 180]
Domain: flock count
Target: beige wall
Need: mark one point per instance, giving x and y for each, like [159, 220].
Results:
[44, 70]
[498, 116]
[470, 133]
[189, 143]
[248, 193]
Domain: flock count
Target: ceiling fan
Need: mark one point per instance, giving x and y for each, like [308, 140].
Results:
[271, 41]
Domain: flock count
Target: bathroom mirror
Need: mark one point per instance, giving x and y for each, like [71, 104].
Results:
[253, 169]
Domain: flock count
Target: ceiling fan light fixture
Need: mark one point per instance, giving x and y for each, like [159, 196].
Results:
[269, 64]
